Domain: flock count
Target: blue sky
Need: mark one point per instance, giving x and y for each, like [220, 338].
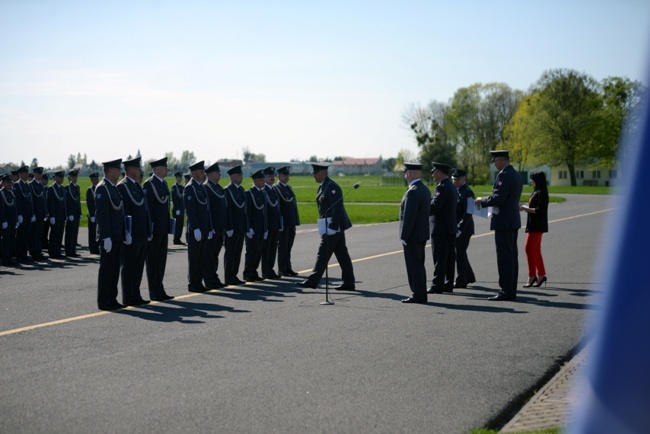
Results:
[288, 79]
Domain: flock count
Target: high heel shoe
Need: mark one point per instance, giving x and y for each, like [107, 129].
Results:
[531, 282]
[541, 280]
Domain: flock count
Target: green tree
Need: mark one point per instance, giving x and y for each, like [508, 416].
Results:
[251, 157]
[187, 159]
[567, 112]
[34, 162]
[71, 161]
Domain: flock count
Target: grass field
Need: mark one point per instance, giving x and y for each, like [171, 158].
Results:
[374, 201]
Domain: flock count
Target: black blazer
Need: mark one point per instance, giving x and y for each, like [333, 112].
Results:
[197, 208]
[177, 199]
[73, 201]
[237, 218]
[256, 210]
[464, 219]
[218, 207]
[135, 205]
[288, 205]
[538, 222]
[9, 209]
[272, 208]
[157, 194]
[442, 212]
[24, 204]
[414, 213]
[56, 202]
[330, 197]
[90, 200]
[39, 198]
[110, 212]
[506, 193]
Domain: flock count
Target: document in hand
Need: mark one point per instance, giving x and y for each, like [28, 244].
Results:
[322, 225]
[483, 212]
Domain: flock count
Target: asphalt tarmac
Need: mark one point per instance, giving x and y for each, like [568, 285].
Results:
[269, 357]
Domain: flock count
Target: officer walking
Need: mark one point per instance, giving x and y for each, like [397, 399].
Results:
[414, 231]
[238, 220]
[330, 207]
[257, 227]
[39, 199]
[199, 227]
[465, 229]
[110, 228]
[273, 221]
[289, 219]
[56, 210]
[443, 230]
[93, 245]
[73, 208]
[178, 209]
[506, 221]
[220, 224]
[157, 193]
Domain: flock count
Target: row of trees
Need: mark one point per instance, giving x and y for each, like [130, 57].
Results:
[565, 118]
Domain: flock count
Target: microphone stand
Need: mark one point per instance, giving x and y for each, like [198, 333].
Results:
[327, 248]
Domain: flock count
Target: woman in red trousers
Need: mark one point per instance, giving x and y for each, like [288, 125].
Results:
[536, 225]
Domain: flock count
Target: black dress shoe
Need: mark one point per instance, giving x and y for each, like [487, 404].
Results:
[72, 255]
[168, 297]
[197, 288]
[272, 276]
[136, 302]
[435, 290]
[215, 285]
[415, 300]
[458, 285]
[345, 287]
[503, 297]
[179, 243]
[111, 306]
[307, 284]
[448, 289]
[158, 298]
[292, 273]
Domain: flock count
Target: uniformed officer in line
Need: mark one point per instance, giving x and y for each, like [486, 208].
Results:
[465, 229]
[26, 217]
[134, 251]
[220, 225]
[57, 214]
[39, 200]
[236, 197]
[330, 205]
[14, 176]
[45, 234]
[506, 221]
[442, 221]
[414, 231]
[157, 193]
[93, 245]
[257, 227]
[8, 220]
[273, 222]
[178, 209]
[199, 227]
[73, 208]
[110, 229]
[289, 220]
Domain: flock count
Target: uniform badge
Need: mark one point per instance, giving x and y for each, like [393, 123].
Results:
[189, 197]
[99, 195]
[437, 193]
[499, 183]
[333, 191]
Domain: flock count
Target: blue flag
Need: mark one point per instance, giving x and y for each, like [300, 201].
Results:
[614, 392]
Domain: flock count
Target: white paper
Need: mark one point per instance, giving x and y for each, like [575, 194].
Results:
[483, 212]
[322, 225]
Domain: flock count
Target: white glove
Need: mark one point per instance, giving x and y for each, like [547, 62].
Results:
[150, 237]
[457, 234]
[128, 239]
[52, 220]
[5, 225]
[33, 218]
[178, 212]
[197, 234]
[229, 233]
[71, 218]
[210, 235]
[266, 234]
[330, 231]
[250, 233]
[20, 219]
[17, 224]
[92, 220]
[403, 242]
[108, 245]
